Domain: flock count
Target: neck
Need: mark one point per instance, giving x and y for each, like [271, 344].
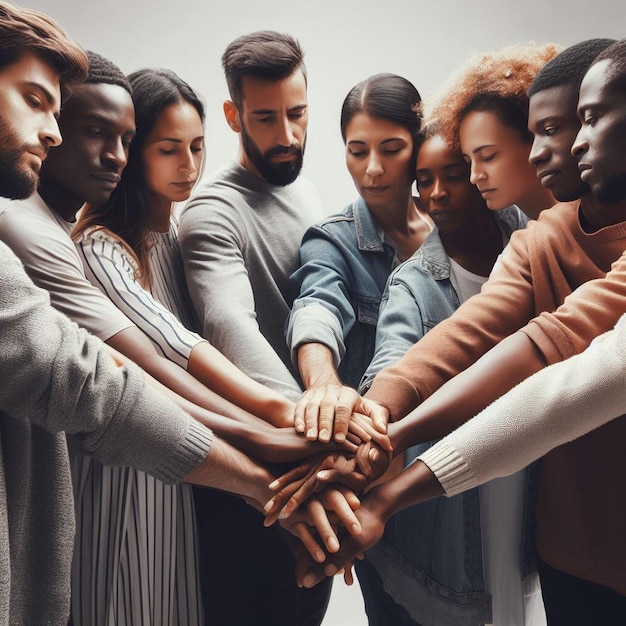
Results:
[397, 217]
[60, 200]
[160, 213]
[536, 201]
[596, 215]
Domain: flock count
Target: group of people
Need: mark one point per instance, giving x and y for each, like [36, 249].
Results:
[379, 381]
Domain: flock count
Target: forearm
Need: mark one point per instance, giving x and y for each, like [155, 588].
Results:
[228, 469]
[212, 368]
[316, 365]
[499, 370]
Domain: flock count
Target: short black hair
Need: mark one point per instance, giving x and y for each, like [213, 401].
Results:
[570, 66]
[102, 70]
[616, 53]
[264, 54]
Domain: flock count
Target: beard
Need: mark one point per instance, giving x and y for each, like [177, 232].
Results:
[280, 174]
[17, 179]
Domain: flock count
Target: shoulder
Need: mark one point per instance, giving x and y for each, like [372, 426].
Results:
[511, 218]
[104, 243]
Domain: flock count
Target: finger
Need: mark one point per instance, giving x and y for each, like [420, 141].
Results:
[334, 500]
[360, 428]
[348, 576]
[355, 481]
[319, 519]
[344, 407]
[304, 534]
[327, 410]
[364, 422]
[377, 413]
[311, 413]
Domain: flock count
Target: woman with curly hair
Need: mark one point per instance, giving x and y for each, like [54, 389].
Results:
[483, 109]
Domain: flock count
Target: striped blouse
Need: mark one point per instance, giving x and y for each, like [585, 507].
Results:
[135, 557]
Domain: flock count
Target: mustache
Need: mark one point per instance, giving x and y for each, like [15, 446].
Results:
[294, 148]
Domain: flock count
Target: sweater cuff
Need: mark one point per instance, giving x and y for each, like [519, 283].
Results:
[452, 472]
[191, 451]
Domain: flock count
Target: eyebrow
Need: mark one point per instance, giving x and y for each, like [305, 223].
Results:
[298, 107]
[177, 140]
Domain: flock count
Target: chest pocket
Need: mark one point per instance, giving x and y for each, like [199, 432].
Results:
[367, 310]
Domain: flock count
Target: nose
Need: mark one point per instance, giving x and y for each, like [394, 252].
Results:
[439, 191]
[50, 135]
[116, 153]
[188, 163]
[580, 145]
[285, 133]
[476, 173]
[374, 165]
[538, 153]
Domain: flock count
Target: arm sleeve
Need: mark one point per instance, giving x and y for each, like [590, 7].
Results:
[60, 378]
[323, 311]
[51, 260]
[590, 310]
[400, 323]
[110, 267]
[557, 405]
[222, 294]
[504, 305]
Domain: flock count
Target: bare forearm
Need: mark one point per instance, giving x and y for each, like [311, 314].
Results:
[316, 365]
[214, 370]
[514, 359]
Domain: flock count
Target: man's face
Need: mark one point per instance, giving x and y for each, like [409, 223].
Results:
[30, 98]
[600, 146]
[273, 121]
[98, 125]
[553, 121]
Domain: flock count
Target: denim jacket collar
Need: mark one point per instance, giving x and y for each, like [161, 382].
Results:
[433, 258]
[367, 237]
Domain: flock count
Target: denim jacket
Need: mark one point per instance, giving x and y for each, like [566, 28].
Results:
[344, 268]
[430, 557]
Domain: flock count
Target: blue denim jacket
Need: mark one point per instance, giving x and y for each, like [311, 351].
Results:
[430, 557]
[344, 268]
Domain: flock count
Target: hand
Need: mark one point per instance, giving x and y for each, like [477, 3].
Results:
[324, 412]
[297, 485]
[324, 513]
[309, 573]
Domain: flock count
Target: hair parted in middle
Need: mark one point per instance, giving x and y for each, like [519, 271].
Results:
[388, 97]
[264, 54]
[496, 82]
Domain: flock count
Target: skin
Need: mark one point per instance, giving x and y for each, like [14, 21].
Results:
[466, 226]
[379, 157]
[499, 164]
[274, 115]
[98, 125]
[30, 99]
[599, 145]
[172, 158]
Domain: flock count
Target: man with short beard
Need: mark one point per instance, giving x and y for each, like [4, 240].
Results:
[240, 238]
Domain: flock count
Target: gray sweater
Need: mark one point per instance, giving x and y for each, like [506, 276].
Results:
[240, 238]
[59, 378]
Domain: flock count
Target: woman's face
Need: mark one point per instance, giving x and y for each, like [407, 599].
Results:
[172, 153]
[443, 183]
[379, 159]
[498, 159]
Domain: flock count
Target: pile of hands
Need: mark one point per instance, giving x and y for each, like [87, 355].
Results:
[324, 501]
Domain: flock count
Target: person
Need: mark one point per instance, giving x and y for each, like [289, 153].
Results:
[580, 514]
[239, 236]
[136, 262]
[98, 123]
[346, 258]
[448, 544]
[108, 408]
[484, 108]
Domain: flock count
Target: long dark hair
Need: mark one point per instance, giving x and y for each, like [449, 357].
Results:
[388, 97]
[127, 213]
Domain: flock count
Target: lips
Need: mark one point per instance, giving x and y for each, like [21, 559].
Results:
[547, 176]
[376, 189]
[485, 192]
[584, 169]
[108, 177]
[185, 185]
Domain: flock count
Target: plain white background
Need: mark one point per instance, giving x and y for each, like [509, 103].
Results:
[345, 41]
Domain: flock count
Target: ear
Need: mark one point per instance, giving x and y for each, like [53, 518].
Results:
[231, 113]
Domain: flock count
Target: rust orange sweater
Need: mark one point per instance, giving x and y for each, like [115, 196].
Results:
[542, 286]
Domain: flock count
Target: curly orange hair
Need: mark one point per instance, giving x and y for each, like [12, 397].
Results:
[505, 75]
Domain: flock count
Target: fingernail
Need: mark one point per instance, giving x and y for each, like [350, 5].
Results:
[323, 474]
[333, 544]
[324, 435]
[319, 556]
[269, 506]
[340, 437]
[310, 434]
[355, 529]
[274, 484]
[330, 570]
[309, 580]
